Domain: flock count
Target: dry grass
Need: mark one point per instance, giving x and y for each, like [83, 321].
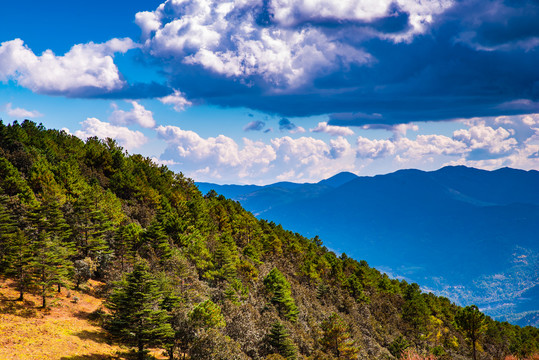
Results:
[61, 332]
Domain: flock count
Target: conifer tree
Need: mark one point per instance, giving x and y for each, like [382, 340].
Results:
[137, 317]
[91, 227]
[20, 260]
[280, 341]
[471, 321]
[226, 257]
[277, 284]
[51, 245]
[7, 231]
[126, 241]
[207, 315]
[50, 264]
[156, 237]
[337, 339]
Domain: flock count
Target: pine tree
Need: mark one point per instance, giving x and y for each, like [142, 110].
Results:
[280, 341]
[137, 317]
[20, 258]
[126, 241]
[226, 257]
[277, 284]
[472, 322]
[157, 238]
[7, 232]
[207, 315]
[50, 264]
[91, 227]
[337, 339]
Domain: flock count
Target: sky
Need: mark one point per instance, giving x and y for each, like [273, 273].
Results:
[260, 91]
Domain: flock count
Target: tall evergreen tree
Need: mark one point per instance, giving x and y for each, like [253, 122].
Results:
[277, 284]
[280, 341]
[471, 321]
[336, 338]
[7, 231]
[156, 237]
[92, 228]
[50, 264]
[137, 317]
[20, 260]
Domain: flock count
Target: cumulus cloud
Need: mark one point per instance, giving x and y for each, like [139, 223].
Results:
[487, 143]
[332, 130]
[311, 57]
[287, 125]
[138, 115]
[85, 67]
[20, 113]
[481, 137]
[127, 138]
[228, 38]
[223, 159]
[420, 13]
[484, 142]
[177, 100]
[256, 125]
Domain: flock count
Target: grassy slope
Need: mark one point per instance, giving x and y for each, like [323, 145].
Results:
[62, 332]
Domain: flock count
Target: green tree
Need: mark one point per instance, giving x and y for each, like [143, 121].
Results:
[20, 261]
[126, 241]
[277, 284]
[136, 315]
[415, 310]
[397, 347]
[336, 338]
[156, 237]
[7, 232]
[50, 263]
[471, 321]
[207, 315]
[280, 341]
[92, 228]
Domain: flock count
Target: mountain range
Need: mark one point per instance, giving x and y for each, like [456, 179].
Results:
[468, 234]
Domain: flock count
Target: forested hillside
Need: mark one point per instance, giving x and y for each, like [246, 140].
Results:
[202, 278]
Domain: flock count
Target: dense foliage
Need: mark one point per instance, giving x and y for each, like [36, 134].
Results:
[202, 278]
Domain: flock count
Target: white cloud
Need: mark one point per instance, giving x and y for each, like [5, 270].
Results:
[481, 137]
[293, 12]
[84, 66]
[332, 130]
[177, 100]
[138, 115]
[20, 113]
[223, 159]
[225, 37]
[286, 50]
[309, 159]
[127, 138]
[373, 149]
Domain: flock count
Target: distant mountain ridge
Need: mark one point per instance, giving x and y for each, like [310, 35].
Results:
[465, 233]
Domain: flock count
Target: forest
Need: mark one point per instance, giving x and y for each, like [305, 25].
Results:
[199, 277]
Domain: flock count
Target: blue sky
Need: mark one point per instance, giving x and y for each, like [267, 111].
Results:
[259, 91]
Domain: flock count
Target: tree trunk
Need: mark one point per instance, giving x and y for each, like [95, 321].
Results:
[473, 349]
[21, 296]
[140, 350]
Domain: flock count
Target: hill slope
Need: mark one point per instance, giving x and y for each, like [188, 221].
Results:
[459, 231]
[223, 284]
